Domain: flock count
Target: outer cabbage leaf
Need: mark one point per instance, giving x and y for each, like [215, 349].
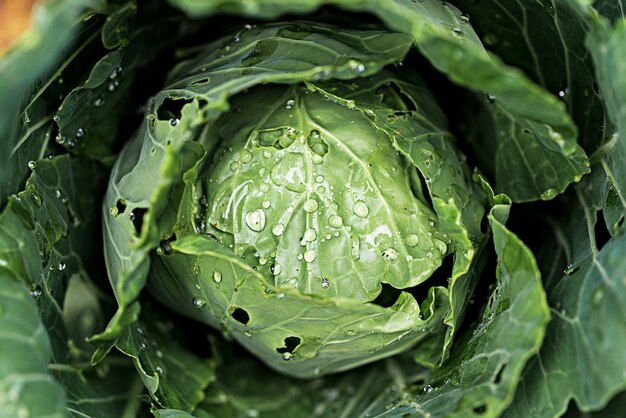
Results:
[444, 36]
[589, 300]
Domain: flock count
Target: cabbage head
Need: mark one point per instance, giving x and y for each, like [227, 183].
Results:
[349, 208]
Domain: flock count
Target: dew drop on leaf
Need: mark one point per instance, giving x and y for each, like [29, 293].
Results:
[256, 220]
[390, 255]
[278, 229]
[335, 221]
[361, 209]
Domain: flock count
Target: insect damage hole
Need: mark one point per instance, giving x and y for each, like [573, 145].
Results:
[136, 216]
[240, 315]
[291, 343]
[171, 109]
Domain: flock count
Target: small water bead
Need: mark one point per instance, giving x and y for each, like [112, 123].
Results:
[217, 276]
[352, 332]
[300, 256]
[361, 209]
[317, 159]
[428, 388]
[278, 229]
[321, 189]
[310, 235]
[464, 18]
[290, 104]
[235, 166]
[412, 240]
[319, 179]
[390, 255]
[287, 356]
[80, 132]
[256, 220]
[113, 85]
[198, 302]
[264, 187]
[32, 165]
[62, 266]
[267, 153]
[245, 156]
[99, 102]
[266, 204]
[262, 261]
[309, 256]
[325, 283]
[276, 269]
[37, 199]
[335, 221]
[310, 205]
[35, 290]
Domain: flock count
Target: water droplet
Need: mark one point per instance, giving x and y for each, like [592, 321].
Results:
[256, 220]
[361, 209]
[317, 159]
[174, 121]
[310, 235]
[159, 370]
[325, 283]
[412, 240]
[310, 205]
[276, 269]
[290, 104]
[287, 356]
[198, 302]
[457, 32]
[549, 194]
[309, 256]
[428, 388]
[464, 18]
[217, 276]
[390, 255]
[300, 256]
[32, 165]
[278, 229]
[319, 179]
[245, 156]
[62, 266]
[99, 102]
[356, 66]
[335, 221]
[352, 332]
[113, 85]
[80, 132]
[35, 290]
[36, 199]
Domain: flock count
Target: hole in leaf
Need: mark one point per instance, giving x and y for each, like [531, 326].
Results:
[240, 315]
[480, 409]
[136, 216]
[166, 246]
[171, 109]
[601, 231]
[498, 376]
[388, 296]
[120, 206]
[291, 343]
